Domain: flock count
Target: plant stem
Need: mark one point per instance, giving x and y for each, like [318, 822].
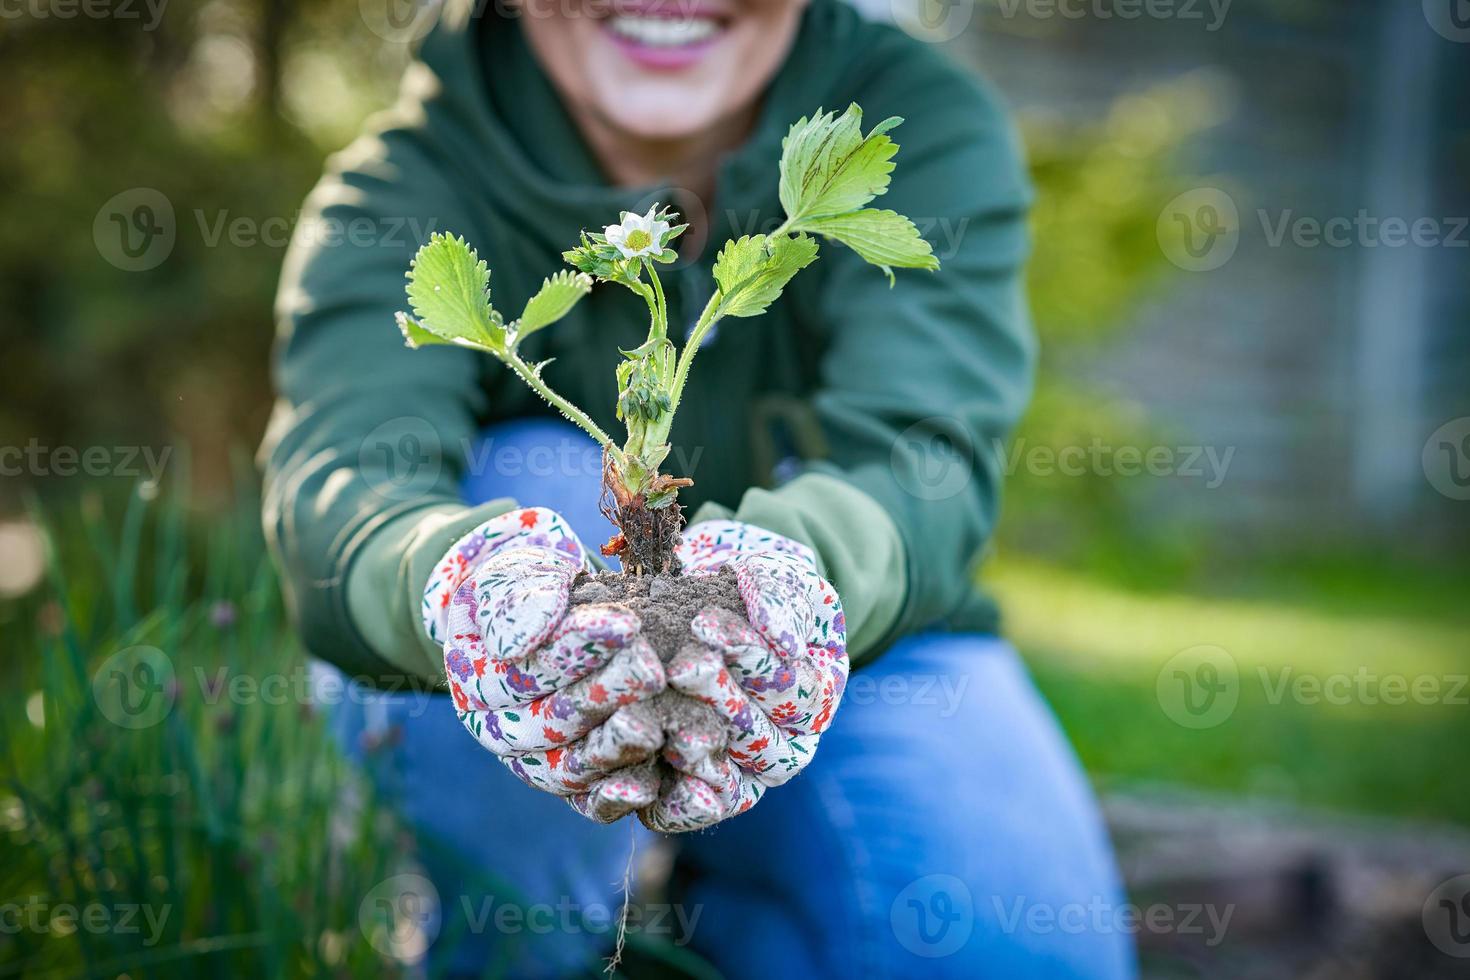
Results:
[707, 319]
[652, 301]
[661, 315]
[630, 463]
[533, 378]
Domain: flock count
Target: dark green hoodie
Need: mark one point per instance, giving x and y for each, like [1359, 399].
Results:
[895, 401]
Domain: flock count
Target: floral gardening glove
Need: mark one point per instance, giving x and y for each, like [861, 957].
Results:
[775, 677]
[547, 690]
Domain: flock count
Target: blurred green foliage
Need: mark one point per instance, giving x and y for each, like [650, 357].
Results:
[172, 802]
[205, 826]
[1100, 189]
[226, 108]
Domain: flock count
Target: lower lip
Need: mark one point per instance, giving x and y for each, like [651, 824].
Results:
[657, 58]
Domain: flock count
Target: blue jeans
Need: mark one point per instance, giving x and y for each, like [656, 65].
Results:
[943, 827]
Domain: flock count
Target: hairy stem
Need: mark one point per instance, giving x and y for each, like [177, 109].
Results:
[707, 319]
[532, 377]
[652, 301]
[660, 326]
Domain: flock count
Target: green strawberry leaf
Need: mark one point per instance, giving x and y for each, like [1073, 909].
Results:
[752, 272]
[829, 167]
[449, 291]
[415, 336]
[554, 300]
[884, 238]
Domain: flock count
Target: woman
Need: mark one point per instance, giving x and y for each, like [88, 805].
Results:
[856, 424]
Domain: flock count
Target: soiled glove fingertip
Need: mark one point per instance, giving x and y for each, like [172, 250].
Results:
[689, 804]
[618, 794]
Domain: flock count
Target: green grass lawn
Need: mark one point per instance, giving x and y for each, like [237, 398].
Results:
[1314, 721]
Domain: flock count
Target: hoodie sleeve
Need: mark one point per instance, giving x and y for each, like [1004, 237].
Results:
[366, 444]
[920, 384]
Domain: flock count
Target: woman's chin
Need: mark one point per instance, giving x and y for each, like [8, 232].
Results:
[659, 113]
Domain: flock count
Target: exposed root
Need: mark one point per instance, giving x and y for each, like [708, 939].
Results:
[647, 536]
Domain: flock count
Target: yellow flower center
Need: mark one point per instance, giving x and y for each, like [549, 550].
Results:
[638, 240]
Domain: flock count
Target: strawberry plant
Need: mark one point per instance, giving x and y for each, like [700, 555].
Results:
[829, 172]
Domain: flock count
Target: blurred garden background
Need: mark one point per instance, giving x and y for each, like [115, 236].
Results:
[1233, 549]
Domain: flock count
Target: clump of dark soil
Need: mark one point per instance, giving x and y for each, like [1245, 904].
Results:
[666, 605]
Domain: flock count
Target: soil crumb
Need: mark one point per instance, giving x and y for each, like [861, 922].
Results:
[667, 604]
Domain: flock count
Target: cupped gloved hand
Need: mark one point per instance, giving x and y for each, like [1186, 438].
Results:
[775, 677]
[548, 690]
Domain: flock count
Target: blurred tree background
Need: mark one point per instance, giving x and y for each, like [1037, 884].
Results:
[227, 109]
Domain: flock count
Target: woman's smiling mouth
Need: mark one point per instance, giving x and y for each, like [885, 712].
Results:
[666, 35]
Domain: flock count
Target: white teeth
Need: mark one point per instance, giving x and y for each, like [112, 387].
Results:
[663, 32]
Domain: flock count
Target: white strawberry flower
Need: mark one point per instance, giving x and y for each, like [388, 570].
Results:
[638, 234]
